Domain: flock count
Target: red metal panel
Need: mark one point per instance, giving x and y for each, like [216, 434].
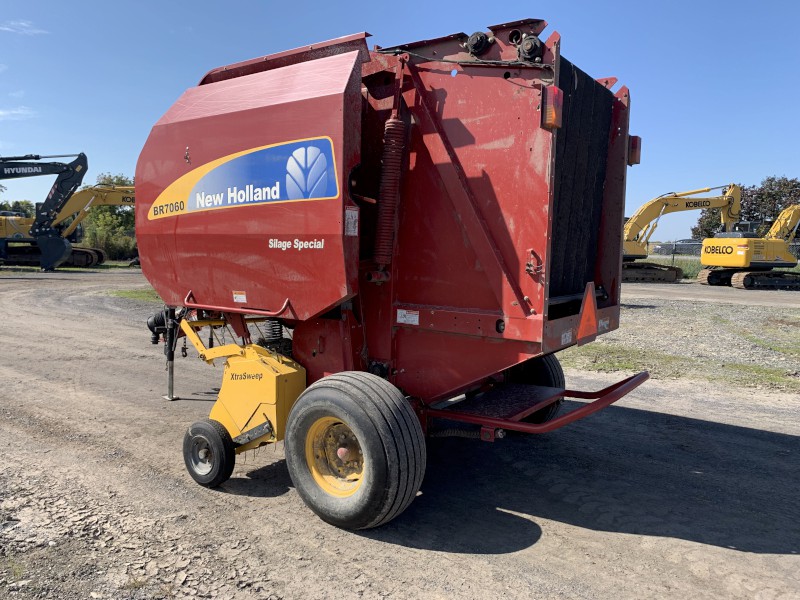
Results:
[493, 162]
[433, 365]
[356, 41]
[241, 248]
[327, 346]
[613, 215]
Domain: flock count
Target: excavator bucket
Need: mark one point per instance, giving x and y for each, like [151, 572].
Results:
[55, 250]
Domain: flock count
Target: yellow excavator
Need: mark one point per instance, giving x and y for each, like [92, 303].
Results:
[743, 260]
[19, 247]
[639, 228]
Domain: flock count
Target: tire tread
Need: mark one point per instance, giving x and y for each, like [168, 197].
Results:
[401, 435]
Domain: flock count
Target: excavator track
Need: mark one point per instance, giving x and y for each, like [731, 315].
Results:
[715, 276]
[101, 255]
[30, 255]
[83, 257]
[643, 272]
[766, 280]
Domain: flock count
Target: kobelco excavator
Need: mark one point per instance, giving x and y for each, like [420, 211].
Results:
[743, 260]
[641, 226]
[47, 239]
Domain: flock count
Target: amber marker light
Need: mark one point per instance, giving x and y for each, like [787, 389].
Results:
[553, 107]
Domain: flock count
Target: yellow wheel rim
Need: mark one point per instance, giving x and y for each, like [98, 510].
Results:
[334, 457]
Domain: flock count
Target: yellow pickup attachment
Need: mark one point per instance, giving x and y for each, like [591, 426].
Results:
[258, 388]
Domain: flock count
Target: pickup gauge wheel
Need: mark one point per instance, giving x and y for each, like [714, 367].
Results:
[209, 453]
[355, 450]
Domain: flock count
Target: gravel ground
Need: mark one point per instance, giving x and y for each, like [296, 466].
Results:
[687, 488]
[747, 345]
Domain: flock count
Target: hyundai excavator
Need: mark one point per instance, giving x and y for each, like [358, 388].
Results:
[639, 228]
[53, 248]
[743, 260]
[47, 238]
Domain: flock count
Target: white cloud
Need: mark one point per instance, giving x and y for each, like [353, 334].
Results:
[17, 94]
[16, 114]
[21, 27]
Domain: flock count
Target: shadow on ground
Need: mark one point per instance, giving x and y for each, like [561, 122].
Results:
[622, 470]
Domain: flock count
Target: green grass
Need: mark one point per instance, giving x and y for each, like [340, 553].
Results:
[763, 375]
[792, 350]
[689, 264]
[603, 356]
[145, 295]
[610, 357]
[16, 571]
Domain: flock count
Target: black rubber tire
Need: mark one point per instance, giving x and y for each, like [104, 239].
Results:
[211, 435]
[391, 440]
[542, 370]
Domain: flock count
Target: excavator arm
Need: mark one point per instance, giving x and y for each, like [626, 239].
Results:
[53, 246]
[81, 202]
[643, 223]
[786, 225]
[16, 167]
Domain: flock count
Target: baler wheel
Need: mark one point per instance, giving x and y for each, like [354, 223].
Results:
[542, 370]
[209, 453]
[355, 450]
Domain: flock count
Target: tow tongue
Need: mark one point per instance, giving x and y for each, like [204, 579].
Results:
[55, 250]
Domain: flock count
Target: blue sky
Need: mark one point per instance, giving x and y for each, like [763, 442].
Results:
[715, 86]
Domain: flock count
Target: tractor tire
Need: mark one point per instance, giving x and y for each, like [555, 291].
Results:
[209, 453]
[542, 370]
[355, 450]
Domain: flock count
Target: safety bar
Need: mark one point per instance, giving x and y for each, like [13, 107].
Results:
[228, 309]
[602, 399]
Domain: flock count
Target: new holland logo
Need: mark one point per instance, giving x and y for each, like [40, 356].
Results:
[307, 174]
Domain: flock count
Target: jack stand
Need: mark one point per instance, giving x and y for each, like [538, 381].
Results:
[169, 350]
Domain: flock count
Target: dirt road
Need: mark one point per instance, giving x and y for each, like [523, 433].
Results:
[680, 490]
[692, 291]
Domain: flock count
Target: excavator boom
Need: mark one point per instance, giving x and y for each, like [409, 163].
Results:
[640, 227]
[81, 202]
[643, 223]
[786, 225]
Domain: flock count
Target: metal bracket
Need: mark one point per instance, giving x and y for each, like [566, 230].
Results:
[256, 432]
[535, 270]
